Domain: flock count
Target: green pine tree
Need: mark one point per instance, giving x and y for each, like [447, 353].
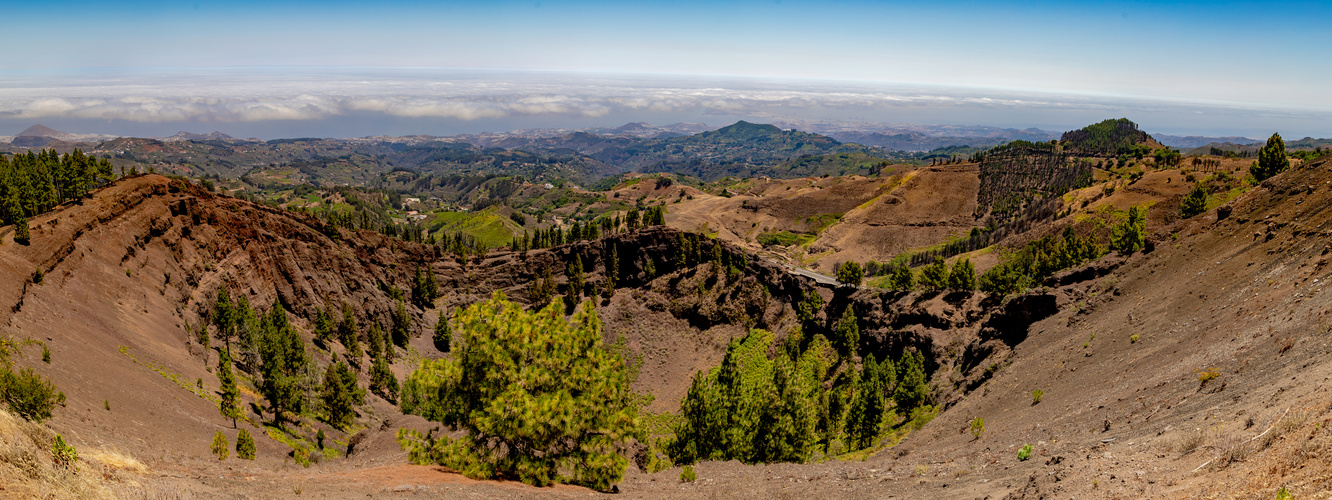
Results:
[382, 380]
[866, 413]
[963, 276]
[401, 325]
[340, 395]
[324, 327]
[850, 273]
[245, 445]
[230, 406]
[576, 280]
[1272, 159]
[443, 334]
[934, 277]
[1195, 203]
[912, 388]
[530, 381]
[1130, 235]
[902, 278]
[21, 233]
[349, 334]
[284, 361]
[220, 446]
[847, 332]
[612, 269]
[224, 315]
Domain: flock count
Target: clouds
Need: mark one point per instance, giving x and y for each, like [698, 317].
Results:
[297, 96]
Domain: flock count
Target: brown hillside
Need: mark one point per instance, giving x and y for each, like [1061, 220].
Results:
[1236, 291]
[853, 218]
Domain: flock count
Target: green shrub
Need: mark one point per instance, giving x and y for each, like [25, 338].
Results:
[1038, 260]
[244, 445]
[220, 446]
[301, 456]
[28, 394]
[977, 427]
[1036, 396]
[540, 397]
[687, 474]
[1195, 203]
[1130, 235]
[63, 454]
[783, 238]
[1024, 453]
[1207, 375]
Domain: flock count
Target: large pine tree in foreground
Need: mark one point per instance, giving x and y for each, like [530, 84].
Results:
[540, 397]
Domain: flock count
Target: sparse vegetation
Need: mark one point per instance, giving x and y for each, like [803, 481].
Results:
[783, 238]
[1036, 396]
[977, 427]
[1024, 453]
[687, 474]
[1206, 375]
[64, 454]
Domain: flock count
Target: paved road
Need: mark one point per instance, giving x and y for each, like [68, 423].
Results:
[818, 277]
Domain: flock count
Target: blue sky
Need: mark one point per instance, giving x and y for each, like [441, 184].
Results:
[1269, 58]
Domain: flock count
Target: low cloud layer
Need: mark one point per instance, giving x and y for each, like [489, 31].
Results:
[215, 97]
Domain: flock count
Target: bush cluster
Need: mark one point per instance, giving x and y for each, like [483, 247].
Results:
[757, 409]
[1038, 260]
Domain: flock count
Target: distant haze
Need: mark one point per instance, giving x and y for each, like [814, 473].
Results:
[336, 102]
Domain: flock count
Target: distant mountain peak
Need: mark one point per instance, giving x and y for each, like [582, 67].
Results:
[633, 127]
[190, 136]
[40, 130]
[744, 127]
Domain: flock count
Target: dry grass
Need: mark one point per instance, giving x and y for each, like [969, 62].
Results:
[27, 469]
[1231, 450]
[1187, 442]
[118, 461]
